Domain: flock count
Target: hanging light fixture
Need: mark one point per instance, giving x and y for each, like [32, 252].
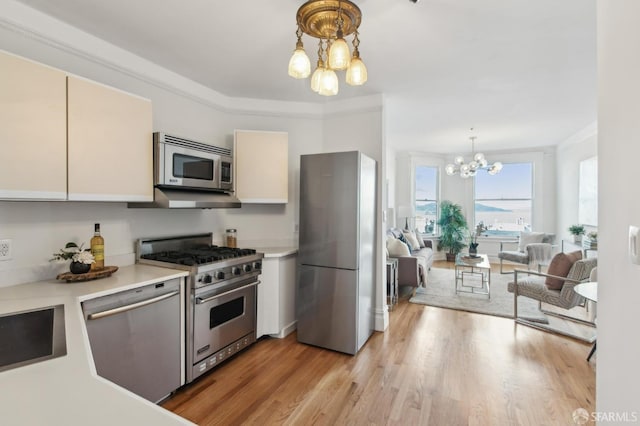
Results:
[329, 20]
[478, 162]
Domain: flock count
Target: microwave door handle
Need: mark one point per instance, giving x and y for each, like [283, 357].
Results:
[200, 301]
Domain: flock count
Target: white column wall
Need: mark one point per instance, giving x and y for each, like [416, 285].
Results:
[617, 373]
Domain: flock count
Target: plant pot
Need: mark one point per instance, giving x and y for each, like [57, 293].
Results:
[79, 268]
[451, 257]
[473, 251]
[577, 239]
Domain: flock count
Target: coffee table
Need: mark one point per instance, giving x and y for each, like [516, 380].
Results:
[476, 271]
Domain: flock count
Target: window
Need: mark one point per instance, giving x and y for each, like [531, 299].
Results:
[504, 202]
[426, 200]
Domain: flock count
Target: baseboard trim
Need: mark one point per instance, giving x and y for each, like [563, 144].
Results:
[381, 319]
[286, 330]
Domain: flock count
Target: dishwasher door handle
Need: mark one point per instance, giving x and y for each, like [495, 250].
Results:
[200, 300]
[126, 308]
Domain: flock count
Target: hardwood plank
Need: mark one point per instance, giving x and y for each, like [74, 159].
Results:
[432, 366]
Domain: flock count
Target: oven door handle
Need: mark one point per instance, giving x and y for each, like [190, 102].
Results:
[126, 308]
[200, 300]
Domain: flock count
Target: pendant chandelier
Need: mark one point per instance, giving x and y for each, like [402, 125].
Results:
[329, 21]
[478, 162]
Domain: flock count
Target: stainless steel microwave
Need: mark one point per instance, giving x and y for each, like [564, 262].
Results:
[183, 163]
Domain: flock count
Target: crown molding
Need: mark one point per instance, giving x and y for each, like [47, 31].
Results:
[30, 23]
[581, 135]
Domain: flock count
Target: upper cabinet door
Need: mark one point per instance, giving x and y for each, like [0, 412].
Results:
[261, 166]
[110, 148]
[33, 130]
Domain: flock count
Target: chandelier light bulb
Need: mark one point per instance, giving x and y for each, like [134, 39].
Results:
[450, 169]
[357, 72]
[458, 160]
[299, 64]
[339, 55]
[483, 162]
[315, 79]
[498, 166]
[328, 83]
[478, 157]
[464, 174]
[473, 166]
[464, 168]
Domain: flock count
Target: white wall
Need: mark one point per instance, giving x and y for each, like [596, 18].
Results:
[569, 154]
[618, 373]
[362, 131]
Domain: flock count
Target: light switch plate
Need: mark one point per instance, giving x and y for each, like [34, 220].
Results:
[5, 250]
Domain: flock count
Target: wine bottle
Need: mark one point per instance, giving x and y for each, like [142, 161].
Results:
[97, 248]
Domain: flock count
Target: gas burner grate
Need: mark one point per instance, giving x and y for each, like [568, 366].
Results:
[199, 255]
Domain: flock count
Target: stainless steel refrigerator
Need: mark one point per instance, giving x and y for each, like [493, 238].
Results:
[335, 290]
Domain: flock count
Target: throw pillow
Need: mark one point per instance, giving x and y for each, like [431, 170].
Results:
[412, 240]
[397, 248]
[419, 237]
[402, 238]
[560, 266]
[527, 238]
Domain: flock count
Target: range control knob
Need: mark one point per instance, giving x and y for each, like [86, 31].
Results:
[207, 279]
[257, 265]
[219, 275]
[247, 268]
[236, 271]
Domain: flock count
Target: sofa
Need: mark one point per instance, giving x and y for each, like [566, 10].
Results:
[413, 262]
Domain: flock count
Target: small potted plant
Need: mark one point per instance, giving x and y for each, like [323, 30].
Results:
[473, 239]
[577, 231]
[81, 260]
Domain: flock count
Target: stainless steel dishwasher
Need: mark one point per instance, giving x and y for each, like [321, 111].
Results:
[135, 338]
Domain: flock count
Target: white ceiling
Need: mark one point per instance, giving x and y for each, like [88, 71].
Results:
[521, 72]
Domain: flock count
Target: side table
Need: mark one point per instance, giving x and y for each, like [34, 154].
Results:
[392, 283]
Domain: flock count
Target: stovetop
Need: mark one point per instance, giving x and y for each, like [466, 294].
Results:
[198, 255]
[208, 264]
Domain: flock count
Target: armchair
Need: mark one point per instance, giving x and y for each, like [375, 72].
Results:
[532, 284]
[532, 247]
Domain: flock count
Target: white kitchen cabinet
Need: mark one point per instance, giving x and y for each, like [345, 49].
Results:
[67, 138]
[261, 166]
[33, 130]
[277, 296]
[110, 156]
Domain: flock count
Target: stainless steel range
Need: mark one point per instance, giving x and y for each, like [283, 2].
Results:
[222, 296]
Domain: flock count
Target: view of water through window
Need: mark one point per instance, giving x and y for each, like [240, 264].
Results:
[426, 199]
[504, 202]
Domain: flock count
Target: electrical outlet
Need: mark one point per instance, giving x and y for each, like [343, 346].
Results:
[5, 249]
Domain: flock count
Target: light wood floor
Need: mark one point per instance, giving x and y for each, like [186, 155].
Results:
[431, 367]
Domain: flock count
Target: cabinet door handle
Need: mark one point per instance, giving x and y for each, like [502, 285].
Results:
[126, 308]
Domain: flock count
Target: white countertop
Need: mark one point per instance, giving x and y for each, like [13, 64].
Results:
[277, 251]
[66, 390]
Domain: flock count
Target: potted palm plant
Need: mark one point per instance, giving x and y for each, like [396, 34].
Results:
[453, 229]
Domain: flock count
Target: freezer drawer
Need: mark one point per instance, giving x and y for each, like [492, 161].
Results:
[135, 338]
[329, 311]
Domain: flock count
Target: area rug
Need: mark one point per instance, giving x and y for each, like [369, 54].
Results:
[440, 291]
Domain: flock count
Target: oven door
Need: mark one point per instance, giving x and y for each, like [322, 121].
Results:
[187, 167]
[223, 316]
